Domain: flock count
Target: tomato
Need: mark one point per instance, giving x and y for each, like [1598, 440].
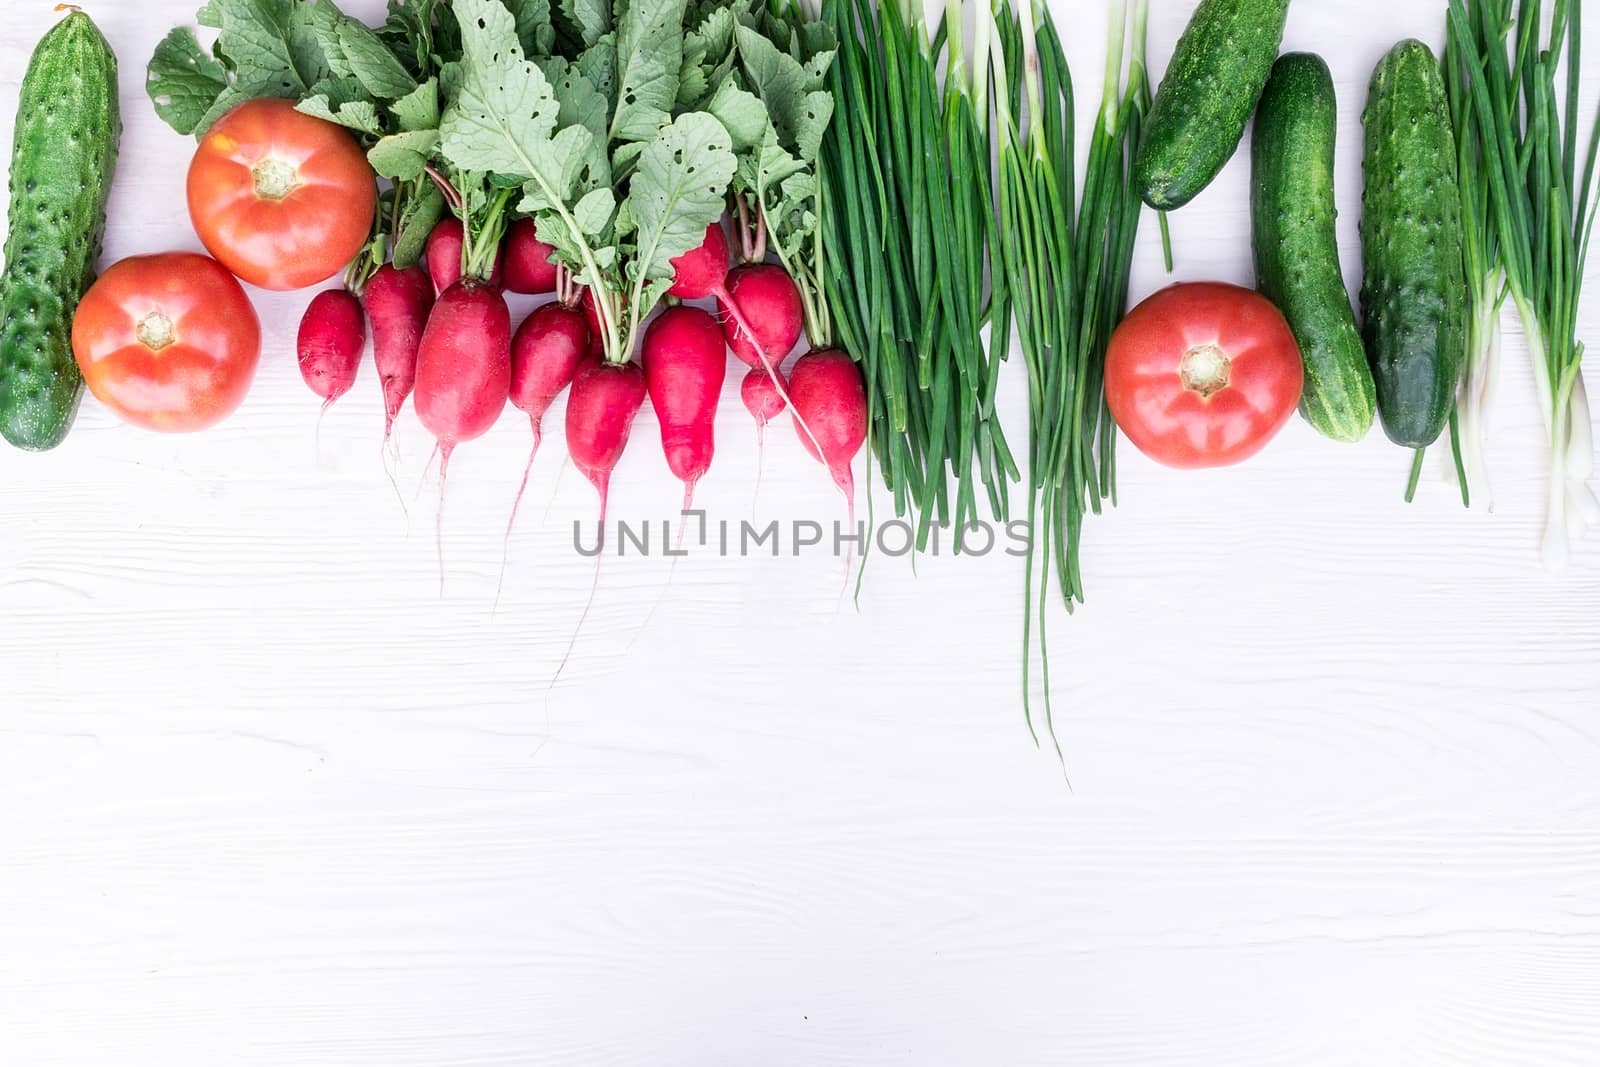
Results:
[283, 199]
[168, 342]
[1203, 374]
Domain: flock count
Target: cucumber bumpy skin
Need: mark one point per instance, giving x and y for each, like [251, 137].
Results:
[1211, 86]
[1414, 287]
[1293, 216]
[65, 150]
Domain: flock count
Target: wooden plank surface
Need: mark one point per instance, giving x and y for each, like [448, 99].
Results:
[268, 798]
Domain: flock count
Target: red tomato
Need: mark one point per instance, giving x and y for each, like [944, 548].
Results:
[284, 200]
[1203, 374]
[168, 342]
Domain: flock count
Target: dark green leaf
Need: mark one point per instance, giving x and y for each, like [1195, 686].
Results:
[183, 81]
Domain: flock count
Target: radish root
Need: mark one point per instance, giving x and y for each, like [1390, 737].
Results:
[505, 545]
[438, 514]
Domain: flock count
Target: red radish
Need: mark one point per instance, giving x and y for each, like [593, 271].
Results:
[464, 364]
[601, 408]
[398, 302]
[525, 260]
[767, 308]
[685, 361]
[605, 399]
[762, 398]
[769, 303]
[544, 356]
[545, 353]
[700, 272]
[463, 372]
[442, 254]
[829, 397]
[332, 335]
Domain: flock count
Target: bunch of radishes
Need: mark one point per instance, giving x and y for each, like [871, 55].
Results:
[629, 180]
[446, 335]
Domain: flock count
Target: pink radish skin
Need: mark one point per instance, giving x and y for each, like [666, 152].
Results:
[604, 401]
[332, 334]
[545, 354]
[442, 254]
[767, 307]
[463, 374]
[464, 364]
[685, 362]
[769, 302]
[398, 302]
[762, 399]
[525, 265]
[827, 392]
[700, 272]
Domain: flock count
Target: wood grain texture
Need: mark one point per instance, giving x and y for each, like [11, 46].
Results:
[268, 799]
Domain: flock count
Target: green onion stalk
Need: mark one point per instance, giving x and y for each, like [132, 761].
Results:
[1068, 274]
[1467, 463]
[864, 229]
[1525, 117]
[911, 234]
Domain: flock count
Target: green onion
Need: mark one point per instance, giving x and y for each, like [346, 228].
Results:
[1470, 423]
[906, 166]
[1068, 273]
[1525, 125]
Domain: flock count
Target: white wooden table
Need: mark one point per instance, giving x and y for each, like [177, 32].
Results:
[267, 798]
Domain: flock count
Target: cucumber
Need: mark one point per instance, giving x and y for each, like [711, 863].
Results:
[1414, 285]
[1205, 100]
[61, 164]
[1292, 218]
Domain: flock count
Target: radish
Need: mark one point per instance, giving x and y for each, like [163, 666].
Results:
[768, 308]
[332, 335]
[765, 297]
[685, 361]
[700, 272]
[397, 303]
[828, 396]
[601, 408]
[442, 254]
[464, 364]
[763, 398]
[463, 373]
[768, 303]
[525, 264]
[545, 354]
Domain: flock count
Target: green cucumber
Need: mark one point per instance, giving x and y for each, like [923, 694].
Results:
[1205, 100]
[1414, 285]
[1292, 218]
[61, 163]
